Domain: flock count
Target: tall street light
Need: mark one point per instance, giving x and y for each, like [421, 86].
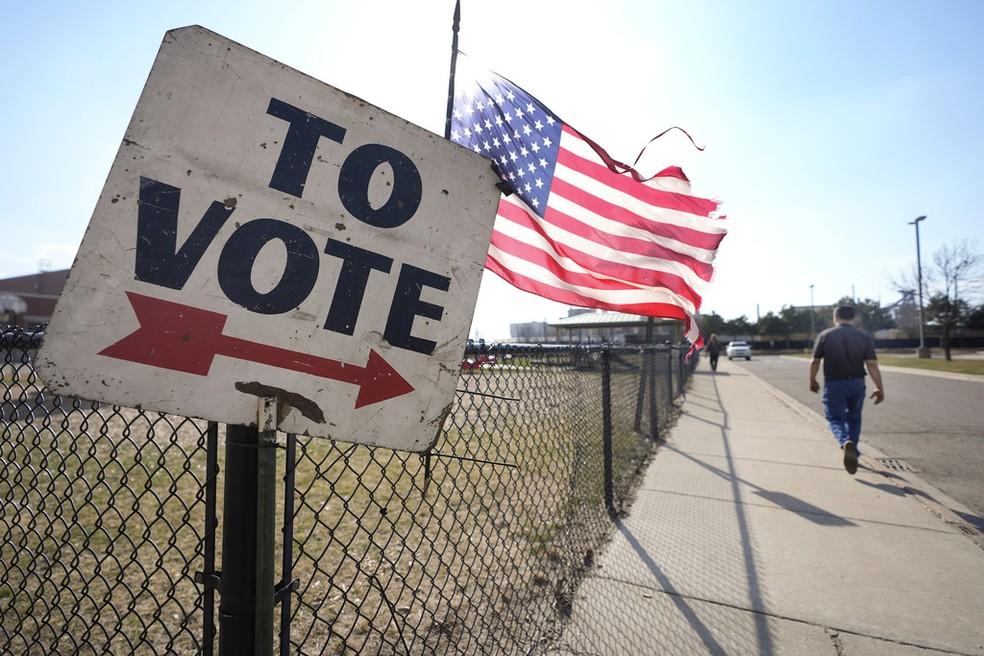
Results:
[923, 351]
[813, 319]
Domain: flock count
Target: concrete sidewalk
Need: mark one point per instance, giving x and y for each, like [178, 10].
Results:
[748, 537]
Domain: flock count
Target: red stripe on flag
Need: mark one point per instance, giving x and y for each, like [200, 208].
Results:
[689, 236]
[672, 172]
[572, 298]
[626, 244]
[541, 258]
[669, 200]
[619, 271]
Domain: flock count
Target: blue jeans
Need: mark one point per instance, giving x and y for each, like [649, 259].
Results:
[842, 403]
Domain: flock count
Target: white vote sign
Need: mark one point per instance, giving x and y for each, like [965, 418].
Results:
[262, 234]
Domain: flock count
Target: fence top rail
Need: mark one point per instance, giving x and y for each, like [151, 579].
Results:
[15, 337]
[12, 337]
[478, 348]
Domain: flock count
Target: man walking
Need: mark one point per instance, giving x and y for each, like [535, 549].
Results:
[713, 351]
[845, 351]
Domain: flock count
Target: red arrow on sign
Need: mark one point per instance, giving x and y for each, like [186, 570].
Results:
[184, 338]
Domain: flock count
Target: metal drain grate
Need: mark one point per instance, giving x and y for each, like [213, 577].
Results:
[897, 464]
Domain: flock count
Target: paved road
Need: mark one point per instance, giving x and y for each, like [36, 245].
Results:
[935, 424]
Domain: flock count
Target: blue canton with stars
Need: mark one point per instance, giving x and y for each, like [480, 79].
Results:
[499, 120]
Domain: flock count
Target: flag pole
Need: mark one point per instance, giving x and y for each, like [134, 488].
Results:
[447, 135]
[454, 63]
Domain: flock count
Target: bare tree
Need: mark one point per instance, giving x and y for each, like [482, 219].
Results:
[907, 282]
[954, 276]
[959, 265]
[958, 268]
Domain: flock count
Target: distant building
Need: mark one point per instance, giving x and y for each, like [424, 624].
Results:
[532, 332]
[596, 327]
[30, 300]
[905, 312]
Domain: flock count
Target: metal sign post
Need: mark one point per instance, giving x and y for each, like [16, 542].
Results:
[266, 524]
[248, 541]
[237, 606]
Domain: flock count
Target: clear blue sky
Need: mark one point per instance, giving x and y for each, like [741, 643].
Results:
[828, 125]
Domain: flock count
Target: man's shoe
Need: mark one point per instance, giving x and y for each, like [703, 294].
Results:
[850, 457]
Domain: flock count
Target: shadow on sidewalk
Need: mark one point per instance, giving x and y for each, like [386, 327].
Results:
[901, 489]
[784, 500]
[973, 520]
[691, 402]
[892, 489]
[701, 629]
[751, 569]
[905, 490]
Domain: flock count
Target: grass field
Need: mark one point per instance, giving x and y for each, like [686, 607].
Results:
[100, 532]
[957, 365]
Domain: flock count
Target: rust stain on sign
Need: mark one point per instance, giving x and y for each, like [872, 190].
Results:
[306, 406]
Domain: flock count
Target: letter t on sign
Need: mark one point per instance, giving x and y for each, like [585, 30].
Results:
[357, 263]
[407, 305]
[305, 130]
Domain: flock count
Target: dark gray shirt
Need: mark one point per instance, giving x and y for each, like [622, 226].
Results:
[844, 350]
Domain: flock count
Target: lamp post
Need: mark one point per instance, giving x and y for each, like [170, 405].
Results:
[813, 319]
[923, 352]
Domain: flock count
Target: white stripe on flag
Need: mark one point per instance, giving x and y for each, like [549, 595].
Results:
[613, 297]
[619, 229]
[709, 225]
[603, 252]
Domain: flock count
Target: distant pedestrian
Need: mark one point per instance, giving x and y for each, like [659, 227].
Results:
[713, 351]
[845, 352]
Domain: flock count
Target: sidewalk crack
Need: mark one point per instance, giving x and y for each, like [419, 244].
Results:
[833, 632]
[836, 640]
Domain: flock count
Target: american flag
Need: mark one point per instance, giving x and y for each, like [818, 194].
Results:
[581, 228]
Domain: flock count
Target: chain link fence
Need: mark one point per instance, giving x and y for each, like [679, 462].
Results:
[101, 522]
[110, 516]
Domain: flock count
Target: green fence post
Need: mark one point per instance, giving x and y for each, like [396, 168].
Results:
[606, 402]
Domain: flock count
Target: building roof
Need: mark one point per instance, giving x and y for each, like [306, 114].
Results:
[591, 319]
[35, 294]
[46, 283]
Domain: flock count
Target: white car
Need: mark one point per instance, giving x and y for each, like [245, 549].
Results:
[739, 350]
